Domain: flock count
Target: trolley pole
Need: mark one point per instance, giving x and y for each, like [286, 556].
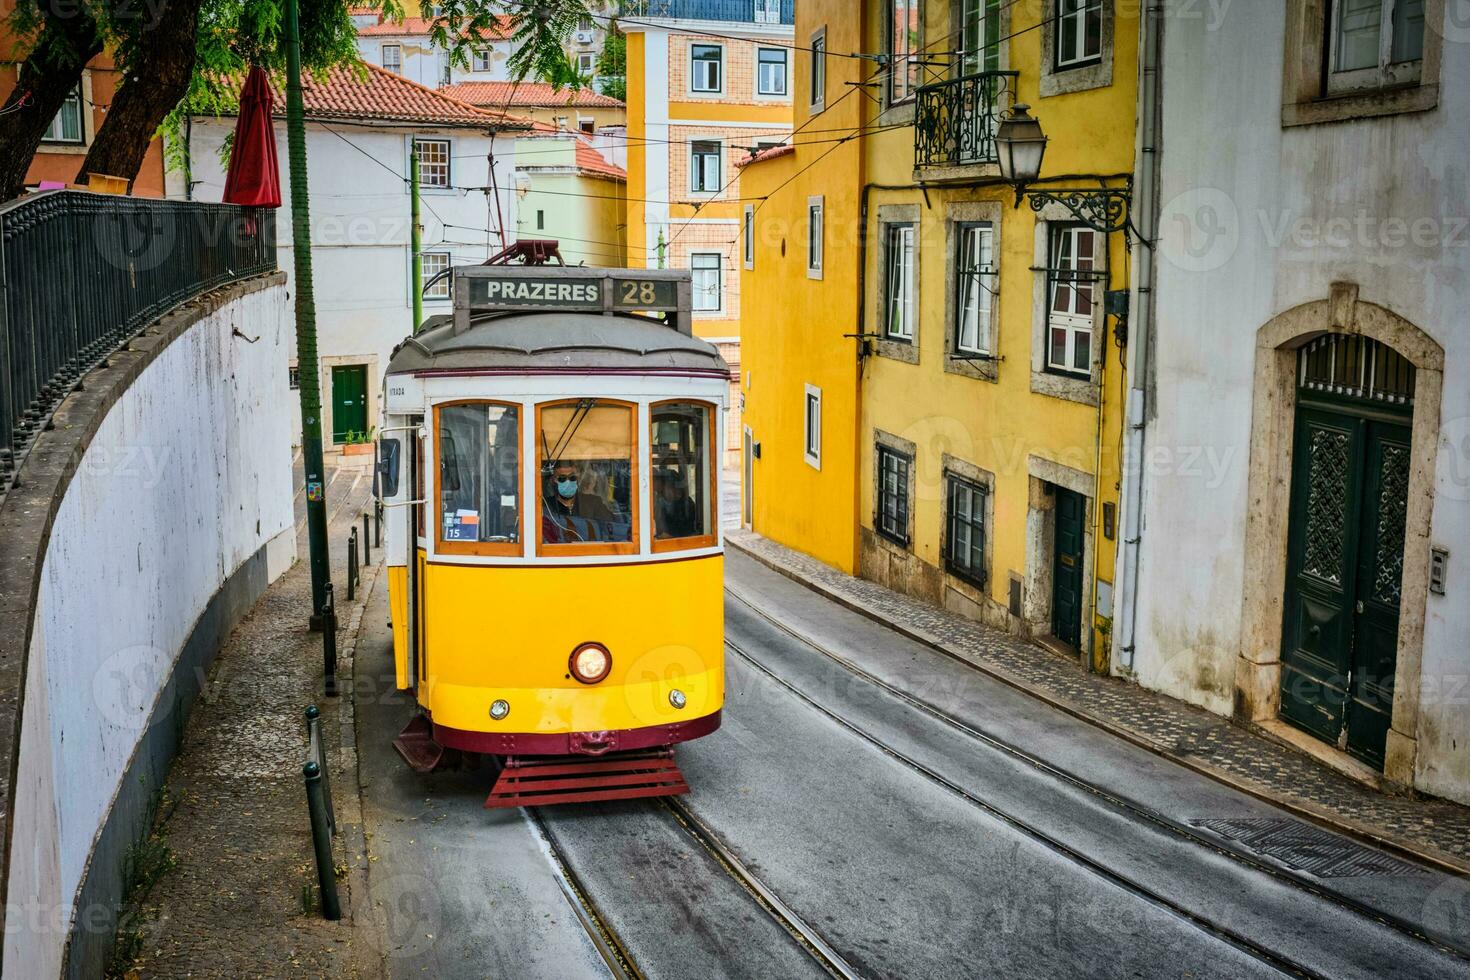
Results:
[306, 358]
[416, 232]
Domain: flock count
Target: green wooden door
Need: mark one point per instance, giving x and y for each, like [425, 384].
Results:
[1066, 583]
[349, 400]
[1345, 558]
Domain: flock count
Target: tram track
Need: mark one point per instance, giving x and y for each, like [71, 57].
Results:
[1119, 803]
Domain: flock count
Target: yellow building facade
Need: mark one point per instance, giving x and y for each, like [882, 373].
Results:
[933, 382]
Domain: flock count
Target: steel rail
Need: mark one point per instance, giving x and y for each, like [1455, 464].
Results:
[1121, 803]
[1221, 932]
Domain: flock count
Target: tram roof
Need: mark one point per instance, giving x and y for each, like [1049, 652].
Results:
[553, 340]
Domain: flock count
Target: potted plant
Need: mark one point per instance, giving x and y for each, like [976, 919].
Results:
[358, 443]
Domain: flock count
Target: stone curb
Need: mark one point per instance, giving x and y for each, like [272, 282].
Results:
[1305, 808]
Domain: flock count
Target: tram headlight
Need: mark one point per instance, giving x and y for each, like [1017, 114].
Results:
[590, 663]
[677, 699]
[499, 709]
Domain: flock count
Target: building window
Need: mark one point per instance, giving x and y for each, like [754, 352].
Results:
[706, 67]
[903, 46]
[815, 236]
[812, 424]
[771, 71]
[898, 277]
[1079, 32]
[706, 172]
[446, 75]
[1070, 280]
[979, 36]
[67, 126]
[293, 377]
[433, 162]
[1375, 44]
[540, 220]
[434, 263]
[480, 60]
[747, 236]
[392, 58]
[893, 495]
[708, 289]
[819, 70]
[975, 278]
[585, 63]
[587, 124]
[964, 546]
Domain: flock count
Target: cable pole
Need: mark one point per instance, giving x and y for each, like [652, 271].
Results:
[306, 358]
[416, 233]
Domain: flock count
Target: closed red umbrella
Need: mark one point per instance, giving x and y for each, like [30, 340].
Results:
[255, 177]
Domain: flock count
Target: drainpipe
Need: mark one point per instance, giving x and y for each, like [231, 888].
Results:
[1146, 199]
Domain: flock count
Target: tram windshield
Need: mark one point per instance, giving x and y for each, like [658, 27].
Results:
[479, 473]
[681, 476]
[587, 495]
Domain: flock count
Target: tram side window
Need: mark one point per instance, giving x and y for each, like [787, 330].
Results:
[682, 488]
[587, 493]
[479, 473]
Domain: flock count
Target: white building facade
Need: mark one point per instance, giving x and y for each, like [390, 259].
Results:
[1304, 553]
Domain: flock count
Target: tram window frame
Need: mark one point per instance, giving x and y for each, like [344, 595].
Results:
[633, 546]
[711, 452]
[484, 549]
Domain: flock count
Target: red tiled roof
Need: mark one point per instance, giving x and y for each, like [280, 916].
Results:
[589, 161]
[770, 154]
[421, 26]
[380, 94]
[527, 94]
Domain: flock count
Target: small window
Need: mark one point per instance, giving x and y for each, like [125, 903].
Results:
[588, 497]
[1071, 278]
[433, 162]
[771, 71]
[815, 236]
[480, 60]
[819, 70]
[540, 220]
[682, 445]
[1079, 33]
[446, 74]
[706, 170]
[392, 58]
[964, 546]
[585, 64]
[747, 236]
[708, 288]
[903, 46]
[893, 495]
[587, 125]
[975, 286]
[67, 126]
[433, 264]
[480, 477]
[899, 311]
[812, 424]
[293, 377]
[1375, 44]
[706, 67]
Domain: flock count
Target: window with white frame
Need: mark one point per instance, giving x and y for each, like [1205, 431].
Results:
[1071, 277]
[706, 67]
[903, 48]
[812, 427]
[480, 60]
[433, 162]
[975, 279]
[818, 95]
[433, 264]
[586, 61]
[816, 234]
[1079, 32]
[446, 74]
[706, 170]
[770, 76]
[392, 57]
[747, 236]
[1374, 44]
[67, 126]
[708, 284]
[979, 37]
[898, 277]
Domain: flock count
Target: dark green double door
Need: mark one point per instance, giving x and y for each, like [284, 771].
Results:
[1066, 571]
[1345, 560]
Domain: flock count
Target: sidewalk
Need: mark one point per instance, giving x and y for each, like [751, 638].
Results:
[1431, 829]
[233, 881]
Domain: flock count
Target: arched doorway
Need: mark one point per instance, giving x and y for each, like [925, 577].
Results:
[1345, 546]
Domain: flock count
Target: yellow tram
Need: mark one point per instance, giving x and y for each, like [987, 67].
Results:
[549, 468]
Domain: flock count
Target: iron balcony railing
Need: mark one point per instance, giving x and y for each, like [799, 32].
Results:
[81, 273]
[736, 11]
[955, 120]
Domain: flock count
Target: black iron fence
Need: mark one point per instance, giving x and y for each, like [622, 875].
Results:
[81, 273]
[735, 11]
[955, 121]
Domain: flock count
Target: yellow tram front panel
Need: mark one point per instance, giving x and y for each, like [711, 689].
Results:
[507, 632]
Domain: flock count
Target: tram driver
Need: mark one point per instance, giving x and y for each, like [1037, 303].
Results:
[570, 515]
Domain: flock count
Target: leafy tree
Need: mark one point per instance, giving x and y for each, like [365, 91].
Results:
[612, 63]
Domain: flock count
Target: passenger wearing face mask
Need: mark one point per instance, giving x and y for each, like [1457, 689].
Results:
[570, 516]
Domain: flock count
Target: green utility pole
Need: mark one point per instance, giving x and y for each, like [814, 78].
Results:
[416, 237]
[307, 368]
[661, 247]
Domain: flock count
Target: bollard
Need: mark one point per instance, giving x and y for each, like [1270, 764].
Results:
[317, 752]
[329, 641]
[321, 841]
[352, 565]
[378, 523]
[367, 547]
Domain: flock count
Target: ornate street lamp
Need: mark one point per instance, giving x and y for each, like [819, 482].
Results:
[1020, 145]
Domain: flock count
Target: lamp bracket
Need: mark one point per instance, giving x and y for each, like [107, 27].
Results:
[1103, 209]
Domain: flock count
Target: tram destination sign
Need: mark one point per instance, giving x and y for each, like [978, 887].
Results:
[622, 293]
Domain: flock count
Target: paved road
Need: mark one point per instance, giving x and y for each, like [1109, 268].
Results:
[872, 808]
